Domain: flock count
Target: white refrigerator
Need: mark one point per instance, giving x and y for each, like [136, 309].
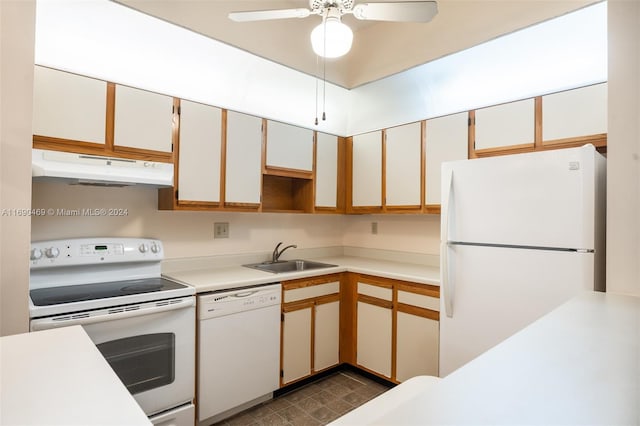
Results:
[520, 235]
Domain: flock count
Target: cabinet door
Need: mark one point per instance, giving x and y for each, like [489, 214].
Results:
[199, 165]
[367, 169]
[575, 113]
[143, 120]
[296, 345]
[417, 346]
[289, 147]
[403, 164]
[244, 158]
[326, 179]
[327, 336]
[447, 140]
[374, 338]
[69, 106]
[505, 125]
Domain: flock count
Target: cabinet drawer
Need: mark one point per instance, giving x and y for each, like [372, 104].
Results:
[311, 291]
[375, 291]
[419, 300]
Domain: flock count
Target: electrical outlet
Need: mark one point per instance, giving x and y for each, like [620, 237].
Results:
[374, 228]
[221, 230]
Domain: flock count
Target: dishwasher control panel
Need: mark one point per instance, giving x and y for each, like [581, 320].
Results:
[227, 302]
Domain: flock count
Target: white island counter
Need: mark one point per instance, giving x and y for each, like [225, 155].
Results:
[578, 365]
[59, 377]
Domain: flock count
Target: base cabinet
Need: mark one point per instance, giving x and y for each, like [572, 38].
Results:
[396, 327]
[296, 344]
[310, 327]
[416, 347]
[387, 327]
[326, 351]
[374, 338]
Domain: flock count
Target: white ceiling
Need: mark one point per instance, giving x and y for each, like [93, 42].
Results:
[379, 48]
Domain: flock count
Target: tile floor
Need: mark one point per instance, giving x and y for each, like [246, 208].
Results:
[315, 404]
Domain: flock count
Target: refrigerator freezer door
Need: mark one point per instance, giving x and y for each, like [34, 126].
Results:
[541, 199]
[495, 292]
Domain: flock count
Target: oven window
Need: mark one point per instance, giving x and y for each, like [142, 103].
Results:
[142, 362]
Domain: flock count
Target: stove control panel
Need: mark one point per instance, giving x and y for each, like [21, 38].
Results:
[91, 251]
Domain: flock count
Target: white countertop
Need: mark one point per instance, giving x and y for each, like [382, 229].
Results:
[225, 277]
[58, 377]
[580, 364]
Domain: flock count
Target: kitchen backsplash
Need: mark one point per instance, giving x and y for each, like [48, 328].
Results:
[82, 211]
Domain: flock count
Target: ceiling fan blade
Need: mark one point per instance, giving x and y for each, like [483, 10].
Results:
[264, 15]
[410, 11]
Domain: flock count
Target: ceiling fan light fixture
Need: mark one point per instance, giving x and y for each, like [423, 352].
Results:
[333, 35]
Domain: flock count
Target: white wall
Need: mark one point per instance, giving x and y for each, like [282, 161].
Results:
[17, 26]
[184, 233]
[623, 148]
[190, 234]
[108, 41]
[409, 233]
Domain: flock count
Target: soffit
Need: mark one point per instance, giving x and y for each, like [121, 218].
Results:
[379, 48]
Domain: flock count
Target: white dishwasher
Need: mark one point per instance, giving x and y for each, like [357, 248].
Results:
[238, 350]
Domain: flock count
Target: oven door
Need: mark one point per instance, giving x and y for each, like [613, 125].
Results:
[150, 346]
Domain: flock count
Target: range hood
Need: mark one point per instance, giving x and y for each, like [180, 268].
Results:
[96, 170]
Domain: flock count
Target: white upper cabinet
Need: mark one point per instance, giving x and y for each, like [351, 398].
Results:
[244, 158]
[199, 159]
[367, 169]
[447, 140]
[505, 125]
[289, 147]
[143, 120]
[575, 113]
[326, 170]
[403, 164]
[69, 106]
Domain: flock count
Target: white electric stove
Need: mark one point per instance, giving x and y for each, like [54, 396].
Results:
[143, 324]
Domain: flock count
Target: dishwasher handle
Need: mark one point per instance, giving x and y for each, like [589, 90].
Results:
[238, 300]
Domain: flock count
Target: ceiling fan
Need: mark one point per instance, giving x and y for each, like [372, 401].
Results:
[332, 38]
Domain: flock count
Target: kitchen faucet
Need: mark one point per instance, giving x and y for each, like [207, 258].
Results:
[276, 254]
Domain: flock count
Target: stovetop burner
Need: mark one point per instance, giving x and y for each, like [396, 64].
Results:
[77, 293]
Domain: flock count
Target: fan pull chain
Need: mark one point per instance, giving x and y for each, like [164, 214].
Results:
[317, 72]
[324, 70]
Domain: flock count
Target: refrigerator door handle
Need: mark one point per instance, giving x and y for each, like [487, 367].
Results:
[446, 282]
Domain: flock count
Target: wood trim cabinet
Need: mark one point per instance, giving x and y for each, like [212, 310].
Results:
[243, 161]
[310, 338]
[142, 120]
[446, 140]
[329, 173]
[366, 173]
[288, 148]
[403, 159]
[198, 155]
[267, 166]
[573, 115]
[69, 107]
[394, 330]
[564, 119]
[73, 113]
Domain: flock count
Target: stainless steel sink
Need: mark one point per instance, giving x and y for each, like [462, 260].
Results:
[288, 266]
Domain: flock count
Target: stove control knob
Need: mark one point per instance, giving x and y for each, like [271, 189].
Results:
[52, 252]
[36, 254]
[155, 248]
[143, 248]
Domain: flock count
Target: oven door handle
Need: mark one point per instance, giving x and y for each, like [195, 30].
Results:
[111, 314]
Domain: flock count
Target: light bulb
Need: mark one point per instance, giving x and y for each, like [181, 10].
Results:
[338, 38]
